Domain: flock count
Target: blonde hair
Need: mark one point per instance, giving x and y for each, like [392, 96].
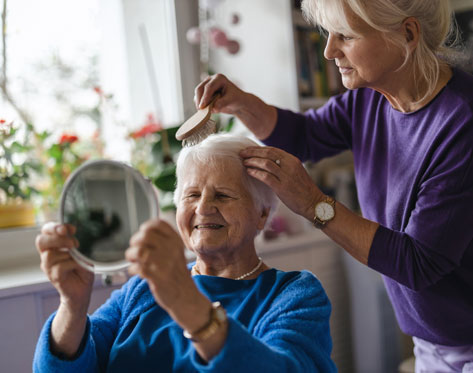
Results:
[225, 146]
[438, 30]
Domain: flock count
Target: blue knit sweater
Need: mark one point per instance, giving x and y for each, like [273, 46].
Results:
[278, 322]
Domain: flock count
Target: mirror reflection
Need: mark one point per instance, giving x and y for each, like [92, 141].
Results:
[106, 201]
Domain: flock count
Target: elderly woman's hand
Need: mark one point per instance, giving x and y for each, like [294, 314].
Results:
[73, 282]
[259, 117]
[286, 175]
[156, 254]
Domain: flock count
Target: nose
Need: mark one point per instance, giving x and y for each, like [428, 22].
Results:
[332, 51]
[205, 206]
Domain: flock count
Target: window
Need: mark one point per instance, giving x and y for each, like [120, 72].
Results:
[97, 67]
[62, 54]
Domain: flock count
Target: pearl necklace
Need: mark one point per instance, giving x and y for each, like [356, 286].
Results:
[195, 271]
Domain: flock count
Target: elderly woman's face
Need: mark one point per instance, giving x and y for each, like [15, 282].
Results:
[215, 210]
[364, 59]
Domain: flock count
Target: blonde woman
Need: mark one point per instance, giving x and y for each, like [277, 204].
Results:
[408, 119]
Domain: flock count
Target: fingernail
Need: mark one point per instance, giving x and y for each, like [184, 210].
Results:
[61, 229]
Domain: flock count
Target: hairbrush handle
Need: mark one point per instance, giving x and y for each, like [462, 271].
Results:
[196, 121]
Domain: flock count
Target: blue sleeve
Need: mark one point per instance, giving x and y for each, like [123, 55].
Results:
[315, 134]
[45, 361]
[98, 338]
[293, 336]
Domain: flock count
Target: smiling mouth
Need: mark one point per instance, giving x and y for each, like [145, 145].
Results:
[208, 226]
[344, 69]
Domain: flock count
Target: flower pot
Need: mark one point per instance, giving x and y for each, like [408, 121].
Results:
[17, 214]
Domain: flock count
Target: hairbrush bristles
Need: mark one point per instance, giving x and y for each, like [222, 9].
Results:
[198, 127]
[205, 131]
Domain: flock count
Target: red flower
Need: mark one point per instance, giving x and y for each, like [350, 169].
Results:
[68, 139]
[151, 126]
[4, 126]
[98, 90]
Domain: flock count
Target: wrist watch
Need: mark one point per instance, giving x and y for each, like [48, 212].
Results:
[324, 212]
[218, 316]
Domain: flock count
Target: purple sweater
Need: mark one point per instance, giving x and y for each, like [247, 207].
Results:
[414, 175]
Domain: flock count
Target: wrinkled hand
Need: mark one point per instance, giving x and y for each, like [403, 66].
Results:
[73, 282]
[231, 98]
[259, 117]
[286, 176]
[156, 254]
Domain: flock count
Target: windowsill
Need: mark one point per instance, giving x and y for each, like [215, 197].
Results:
[19, 261]
[17, 247]
[20, 271]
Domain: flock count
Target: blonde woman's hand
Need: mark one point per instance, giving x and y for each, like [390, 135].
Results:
[285, 175]
[73, 282]
[230, 101]
[259, 117]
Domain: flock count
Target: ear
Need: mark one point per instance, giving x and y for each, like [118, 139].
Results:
[263, 218]
[411, 30]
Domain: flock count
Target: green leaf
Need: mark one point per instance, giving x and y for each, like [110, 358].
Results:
[43, 135]
[16, 147]
[229, 126]
[55, 152]
[174, 145]
[167, 207]
[166, 180]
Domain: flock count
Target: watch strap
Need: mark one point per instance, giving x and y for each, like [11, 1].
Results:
[217, 318]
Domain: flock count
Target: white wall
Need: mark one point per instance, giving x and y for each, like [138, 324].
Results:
[265, 65]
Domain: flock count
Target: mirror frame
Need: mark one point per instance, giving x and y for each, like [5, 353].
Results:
[151, 194]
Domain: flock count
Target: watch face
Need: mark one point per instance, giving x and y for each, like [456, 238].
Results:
[324, 211]
[221, 314]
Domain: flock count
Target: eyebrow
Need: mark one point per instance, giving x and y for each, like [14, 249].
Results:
[217, 188]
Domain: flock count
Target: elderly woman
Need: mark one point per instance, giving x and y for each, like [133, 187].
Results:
[229, 313]
[408, 119]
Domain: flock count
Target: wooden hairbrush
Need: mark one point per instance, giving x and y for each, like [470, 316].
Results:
[198, 127]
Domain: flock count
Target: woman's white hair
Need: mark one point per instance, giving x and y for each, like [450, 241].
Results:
[438, 29]
[225, 146]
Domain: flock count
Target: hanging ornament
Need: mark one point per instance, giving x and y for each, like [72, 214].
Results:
[193, 35]
[233, 47]
[218, 38]
[235, 20]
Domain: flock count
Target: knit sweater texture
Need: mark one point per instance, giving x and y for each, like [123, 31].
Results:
[278, 322]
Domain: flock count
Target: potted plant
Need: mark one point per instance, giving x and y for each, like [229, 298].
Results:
[18, 165]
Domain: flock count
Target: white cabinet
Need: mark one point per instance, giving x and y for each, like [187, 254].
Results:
[18, 333]
[23, 311]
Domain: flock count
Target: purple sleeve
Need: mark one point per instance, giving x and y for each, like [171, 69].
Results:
[440, 228]
[316, 134]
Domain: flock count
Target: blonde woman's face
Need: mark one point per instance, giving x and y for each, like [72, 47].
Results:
[364, 58]
[215, 211]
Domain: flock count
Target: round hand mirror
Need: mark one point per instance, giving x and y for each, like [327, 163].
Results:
[106, 201]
